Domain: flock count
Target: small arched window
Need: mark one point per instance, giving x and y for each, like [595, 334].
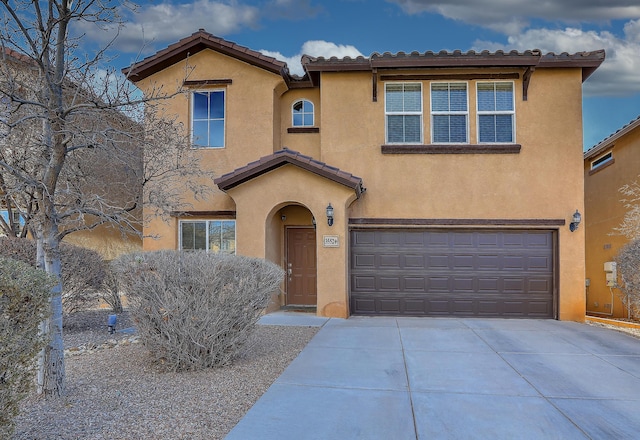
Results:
[303, 113]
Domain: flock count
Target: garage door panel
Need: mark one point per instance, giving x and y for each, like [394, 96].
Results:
[462, 285]
[449, 272]
[463, 239]
[389, 283]
[363, 283]
[435, 239]
[438, 261]
[363, 261]
[417, 284]
[463, 262]
[389, 261]
[540, 263]
[414, 261]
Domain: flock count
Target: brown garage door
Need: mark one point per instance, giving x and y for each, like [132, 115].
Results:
[452, 273]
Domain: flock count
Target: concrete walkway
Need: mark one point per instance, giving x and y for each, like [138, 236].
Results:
[440, 378]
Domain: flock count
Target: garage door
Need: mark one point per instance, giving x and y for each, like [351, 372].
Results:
[452, 273]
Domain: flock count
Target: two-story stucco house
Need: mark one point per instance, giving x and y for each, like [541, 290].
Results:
[608, 166]
[425, 184]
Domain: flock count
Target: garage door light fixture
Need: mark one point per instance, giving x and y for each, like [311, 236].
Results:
[330, 215]
[577, 218]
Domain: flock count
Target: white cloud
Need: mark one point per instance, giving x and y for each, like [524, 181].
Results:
[160, 23]
[316, 48]
[512, 16]
[618, 75]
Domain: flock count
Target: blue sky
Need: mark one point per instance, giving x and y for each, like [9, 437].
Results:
[287, 29]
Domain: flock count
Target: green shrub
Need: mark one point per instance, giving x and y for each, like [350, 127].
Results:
[83, 270]
[24, 304]
[196, 309]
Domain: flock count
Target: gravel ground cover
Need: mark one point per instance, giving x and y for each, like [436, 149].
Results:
[113, 392]
[630, 331]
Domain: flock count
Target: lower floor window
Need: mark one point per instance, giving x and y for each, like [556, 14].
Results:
[210, 235]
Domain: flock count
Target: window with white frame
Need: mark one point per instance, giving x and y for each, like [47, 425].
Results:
[496, 112]
[209, 235]
[207, 118]
[403, 111]
[302, 113]
[449, 113]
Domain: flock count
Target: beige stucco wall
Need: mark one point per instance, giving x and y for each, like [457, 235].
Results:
[544, 181]
[107, 241]
[604, 211]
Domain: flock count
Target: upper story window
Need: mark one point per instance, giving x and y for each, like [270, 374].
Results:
[302, 113]
[449, 113]
[207, 118]
[209, 235]
[602, 160]
[403, 110]
[496, 112]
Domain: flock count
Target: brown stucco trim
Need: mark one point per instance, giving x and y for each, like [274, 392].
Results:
[455, 222]
[207, 82]
[195, 43]
[219, 214]
[284, 157]
[452, 149]
[450, 77]
[303, 130]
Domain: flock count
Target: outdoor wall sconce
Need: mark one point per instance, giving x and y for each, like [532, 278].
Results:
[577, 218]
[330, 215]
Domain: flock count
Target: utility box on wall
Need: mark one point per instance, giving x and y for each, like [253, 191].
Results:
[611, 273]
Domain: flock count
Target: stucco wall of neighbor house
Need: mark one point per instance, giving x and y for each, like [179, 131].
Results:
[603, 212]
[259, 202]
[107, 241]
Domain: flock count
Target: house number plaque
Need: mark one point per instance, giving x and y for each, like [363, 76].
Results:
[331, 241]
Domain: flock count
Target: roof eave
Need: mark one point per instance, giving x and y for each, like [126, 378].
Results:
[196, 43]
[609, 141]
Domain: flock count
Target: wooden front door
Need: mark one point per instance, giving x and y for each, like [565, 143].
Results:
[301, 266]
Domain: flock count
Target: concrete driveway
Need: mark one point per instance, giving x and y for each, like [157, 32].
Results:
[441, 378]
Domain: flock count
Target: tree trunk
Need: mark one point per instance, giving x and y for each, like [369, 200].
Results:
[51, 370]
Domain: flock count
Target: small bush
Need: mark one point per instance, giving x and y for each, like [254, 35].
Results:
[628, 265]
[110, 291]
[195, 309]
[83, 270]
[24, 304]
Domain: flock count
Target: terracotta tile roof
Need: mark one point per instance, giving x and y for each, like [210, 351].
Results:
[588, 61]
[7, 52]
[195, 43]
[609, 140]
[284, 157]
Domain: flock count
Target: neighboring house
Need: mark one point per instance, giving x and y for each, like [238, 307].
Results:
[471, 164]
[608, 166]
[105, 179]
